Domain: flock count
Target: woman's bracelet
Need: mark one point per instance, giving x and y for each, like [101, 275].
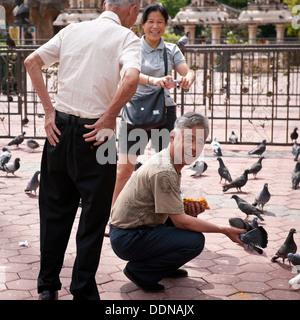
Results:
[148, 79]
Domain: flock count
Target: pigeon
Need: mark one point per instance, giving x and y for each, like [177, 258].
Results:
[254, 223]
[25, 121]
[295, 282]
[255, 239]
[183, 41]
[294, 134]
[262, 197]
[223, 171]
[296, 151]
[12, 167]
[238, 183]
[296, 176]
[240, 224]
[199, 167]
[233, 138]
[289, 246]
[17, 140]
[9, 41]
[256, 167]
[33, 184]
[294, 258]
[32, 144]
[247, 207]
[5, 157]
[260, 149]
[215, 145]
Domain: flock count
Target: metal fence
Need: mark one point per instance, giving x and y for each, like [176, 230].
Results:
[253, 90]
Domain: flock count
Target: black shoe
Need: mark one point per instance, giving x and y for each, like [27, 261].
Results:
[156, 287]
[48, 295]
[179, 273]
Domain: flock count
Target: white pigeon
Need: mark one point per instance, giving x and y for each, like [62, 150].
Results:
[215, 145]
[295, 282]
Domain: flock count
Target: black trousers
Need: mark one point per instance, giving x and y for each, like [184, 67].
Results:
[70, 172]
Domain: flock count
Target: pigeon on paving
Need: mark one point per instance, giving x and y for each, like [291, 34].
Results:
[32, 144]
[254, 223]
[17, 140]
[5, 157]
[223, 171]
[233, 138]
[33, 184]
[296, 176]
[262, 197]
[238, 183]
[199, 167]
[247, 207]
[289, 246]
[294, 258]
[255, 239]
[215, 145]
[256, 167]
[296, 151]
[260, 149]
[294, 134]
[12, 167]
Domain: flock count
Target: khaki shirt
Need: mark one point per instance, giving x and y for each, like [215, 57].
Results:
[150, 195]
[93, 57]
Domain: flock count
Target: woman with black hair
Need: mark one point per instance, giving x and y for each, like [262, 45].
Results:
[154, 23]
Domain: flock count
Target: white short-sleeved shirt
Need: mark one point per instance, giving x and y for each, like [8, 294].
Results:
[153, 65]
[93, 57]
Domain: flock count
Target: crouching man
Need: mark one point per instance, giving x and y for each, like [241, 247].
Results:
[139, 233]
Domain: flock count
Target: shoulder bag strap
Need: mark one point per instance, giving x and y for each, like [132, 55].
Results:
[166, 60]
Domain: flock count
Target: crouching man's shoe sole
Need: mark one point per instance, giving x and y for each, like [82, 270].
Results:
[156, 287]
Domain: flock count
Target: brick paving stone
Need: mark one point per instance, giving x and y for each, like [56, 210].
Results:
[224, 270]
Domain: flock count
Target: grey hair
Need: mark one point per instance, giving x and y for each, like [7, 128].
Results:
[121, 3]
[191, 119]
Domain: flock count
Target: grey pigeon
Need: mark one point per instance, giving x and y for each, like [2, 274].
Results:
[238, 183]
[5, 157]
[223, 171]
[260, 149]
[294, 134]
[247, 207]
[233, 138]
[12, 167]
[215, 145]
[294, 258]
[289, 246]
[296, 176]
[256, 167]
[255, 239]
[199, 167]
[33, 183]
[254, 223]
[32, 144]
[183, 41]
[262, 197]
[296, 151]
[17, 140]
[240, 224]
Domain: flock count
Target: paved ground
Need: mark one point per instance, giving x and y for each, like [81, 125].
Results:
[223, 271]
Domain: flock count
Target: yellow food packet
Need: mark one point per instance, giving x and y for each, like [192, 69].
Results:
[201, 201]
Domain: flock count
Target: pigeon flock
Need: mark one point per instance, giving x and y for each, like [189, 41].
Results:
[11, 166]
[256, 237]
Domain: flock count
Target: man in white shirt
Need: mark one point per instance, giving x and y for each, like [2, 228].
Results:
[99, 65]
